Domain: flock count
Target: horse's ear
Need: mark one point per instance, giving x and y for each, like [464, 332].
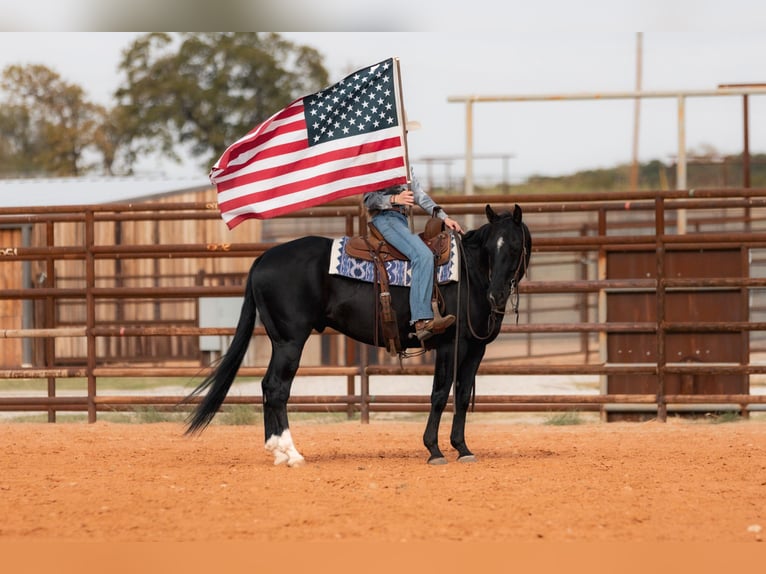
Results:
[491, 215]
[516, 213]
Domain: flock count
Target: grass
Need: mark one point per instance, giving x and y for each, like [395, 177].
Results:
[564, 419]
[724, 417]
[107, 383]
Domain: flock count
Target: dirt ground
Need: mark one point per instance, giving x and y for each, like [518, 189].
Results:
[679, 481]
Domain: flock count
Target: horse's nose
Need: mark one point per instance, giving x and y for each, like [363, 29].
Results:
[492, 300]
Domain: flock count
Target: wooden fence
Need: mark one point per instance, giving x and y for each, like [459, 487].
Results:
[69, 305]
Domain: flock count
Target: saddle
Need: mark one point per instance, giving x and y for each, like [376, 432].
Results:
[373, 247]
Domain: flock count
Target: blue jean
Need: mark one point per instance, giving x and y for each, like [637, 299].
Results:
[393, 226]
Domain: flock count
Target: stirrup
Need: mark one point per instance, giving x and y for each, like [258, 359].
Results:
[435, 326]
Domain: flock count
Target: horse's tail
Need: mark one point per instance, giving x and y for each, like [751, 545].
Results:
[220, 380]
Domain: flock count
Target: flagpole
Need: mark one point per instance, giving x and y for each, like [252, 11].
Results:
[403, 117]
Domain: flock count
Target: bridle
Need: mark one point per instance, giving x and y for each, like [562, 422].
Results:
[521, 269]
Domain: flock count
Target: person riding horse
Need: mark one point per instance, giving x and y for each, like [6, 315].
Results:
[388, 209]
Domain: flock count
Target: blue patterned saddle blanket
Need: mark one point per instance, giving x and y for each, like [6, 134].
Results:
[399, 272]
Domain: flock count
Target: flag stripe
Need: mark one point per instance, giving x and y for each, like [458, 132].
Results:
[305, 165]
[234, 218]
[344, 140]
[238, 152]
[317, 184]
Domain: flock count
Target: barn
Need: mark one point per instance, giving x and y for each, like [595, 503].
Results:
[63, 196]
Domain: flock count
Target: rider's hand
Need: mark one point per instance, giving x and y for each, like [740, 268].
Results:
[406, 197]
[452, 224]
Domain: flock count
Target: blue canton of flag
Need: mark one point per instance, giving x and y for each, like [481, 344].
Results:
[361, 103]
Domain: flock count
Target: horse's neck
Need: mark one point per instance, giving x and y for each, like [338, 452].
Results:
[476, 258]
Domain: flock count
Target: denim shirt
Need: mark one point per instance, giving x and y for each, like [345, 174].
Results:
[381, 199]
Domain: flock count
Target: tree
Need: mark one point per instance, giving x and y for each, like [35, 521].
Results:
[205, 91]
[47, 124]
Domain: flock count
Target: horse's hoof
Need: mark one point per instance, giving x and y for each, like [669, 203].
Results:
[467, 458]
[296, 462]
[437, 461]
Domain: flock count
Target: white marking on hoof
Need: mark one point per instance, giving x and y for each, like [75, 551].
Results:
[466, 459]
[284, 450]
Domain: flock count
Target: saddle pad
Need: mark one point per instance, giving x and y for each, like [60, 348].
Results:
[399, 272]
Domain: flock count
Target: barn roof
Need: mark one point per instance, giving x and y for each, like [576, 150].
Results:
[92, 190]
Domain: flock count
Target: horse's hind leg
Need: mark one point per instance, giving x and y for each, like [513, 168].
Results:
[285, 358]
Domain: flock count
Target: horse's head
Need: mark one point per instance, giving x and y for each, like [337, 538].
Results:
[508, 246]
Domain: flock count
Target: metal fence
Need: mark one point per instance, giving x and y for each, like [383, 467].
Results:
[564, 327]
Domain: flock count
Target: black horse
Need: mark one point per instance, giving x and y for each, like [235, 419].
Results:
[290, 287]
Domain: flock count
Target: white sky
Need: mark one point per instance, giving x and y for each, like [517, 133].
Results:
[548, 138]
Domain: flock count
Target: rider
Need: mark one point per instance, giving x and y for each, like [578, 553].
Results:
[388, 209]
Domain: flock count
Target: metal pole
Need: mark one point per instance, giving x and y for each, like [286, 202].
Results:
[659, 214]
[468, 184]
[746, 143]
[636, 113]
[90, 311]
[681, 164]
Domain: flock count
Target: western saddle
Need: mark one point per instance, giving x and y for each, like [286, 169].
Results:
[373, 247]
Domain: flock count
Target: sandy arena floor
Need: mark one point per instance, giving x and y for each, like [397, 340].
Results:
[679, 481]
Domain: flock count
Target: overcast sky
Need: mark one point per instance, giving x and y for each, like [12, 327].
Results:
[544, 137]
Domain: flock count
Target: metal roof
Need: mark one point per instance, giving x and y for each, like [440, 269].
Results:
[92, 190]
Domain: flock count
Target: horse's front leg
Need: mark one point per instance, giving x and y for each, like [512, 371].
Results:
[439, 396]
[466, 379]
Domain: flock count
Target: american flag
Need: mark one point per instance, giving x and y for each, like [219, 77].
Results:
[344, 140]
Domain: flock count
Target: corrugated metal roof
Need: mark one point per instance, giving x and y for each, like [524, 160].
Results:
[92, 190]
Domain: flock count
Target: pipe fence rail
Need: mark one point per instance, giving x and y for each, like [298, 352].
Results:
[575, 231]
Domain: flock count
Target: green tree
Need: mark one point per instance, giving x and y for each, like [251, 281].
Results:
[204, 91]
[47, 124]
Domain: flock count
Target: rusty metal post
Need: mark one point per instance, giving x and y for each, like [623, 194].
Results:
[351, 346]
[364, 386]
[662, 407]
[602, 318]
[49, 317]
[90, 312]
